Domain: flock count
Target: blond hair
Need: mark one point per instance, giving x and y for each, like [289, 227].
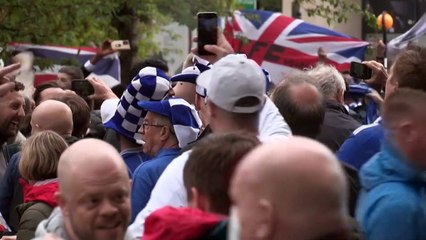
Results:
[40, 156]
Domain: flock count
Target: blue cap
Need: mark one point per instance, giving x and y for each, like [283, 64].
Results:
[190, 74]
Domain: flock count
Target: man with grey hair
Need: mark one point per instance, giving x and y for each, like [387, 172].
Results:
[338, 124]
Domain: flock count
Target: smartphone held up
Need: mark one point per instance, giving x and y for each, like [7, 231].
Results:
[82, 87]
[207, 28]
[360, 71]
[120, 45]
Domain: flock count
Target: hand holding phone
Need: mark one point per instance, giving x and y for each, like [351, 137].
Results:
[120, 45]
[360, 71]
[82, 87]
[207, 28]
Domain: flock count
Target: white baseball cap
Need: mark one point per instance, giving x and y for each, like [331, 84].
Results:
[231, 79]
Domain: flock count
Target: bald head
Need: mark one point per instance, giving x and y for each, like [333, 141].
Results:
[88, 156]
[52, 115]
[305, 94]
[295, 185]
[50, 93]
[94, 191]
[301, 104]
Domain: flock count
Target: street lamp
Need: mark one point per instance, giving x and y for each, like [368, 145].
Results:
[385, 22]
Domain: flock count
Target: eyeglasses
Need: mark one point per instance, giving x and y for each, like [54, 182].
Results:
[144, 125]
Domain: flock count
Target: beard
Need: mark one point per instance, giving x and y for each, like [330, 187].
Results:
[9, 131]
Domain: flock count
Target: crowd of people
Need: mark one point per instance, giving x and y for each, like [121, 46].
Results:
[216, 152]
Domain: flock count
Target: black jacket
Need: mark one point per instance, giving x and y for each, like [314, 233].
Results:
[337, 127]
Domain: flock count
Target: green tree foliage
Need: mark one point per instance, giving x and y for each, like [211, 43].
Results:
[334, 10]
[331, 10]
[59, 22]
[67, 22]
[85, 22]
[184, 12]
[270, 5]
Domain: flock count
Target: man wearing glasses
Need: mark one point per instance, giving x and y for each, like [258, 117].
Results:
[168, 126]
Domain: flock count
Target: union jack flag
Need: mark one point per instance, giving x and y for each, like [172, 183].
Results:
[108, 69]
[281, 44]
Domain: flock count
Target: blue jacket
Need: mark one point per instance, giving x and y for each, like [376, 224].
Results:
[363, 144]
[133, 158]
[392, 204]
[146, 175]
[11, 192]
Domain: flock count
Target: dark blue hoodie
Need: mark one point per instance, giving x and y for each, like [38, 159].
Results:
[392, 204]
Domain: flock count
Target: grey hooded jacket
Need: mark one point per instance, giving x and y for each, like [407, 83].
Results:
[53, 225]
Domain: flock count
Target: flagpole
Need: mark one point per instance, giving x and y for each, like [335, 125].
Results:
[385, 58]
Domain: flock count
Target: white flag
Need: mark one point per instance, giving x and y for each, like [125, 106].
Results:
[400, 42]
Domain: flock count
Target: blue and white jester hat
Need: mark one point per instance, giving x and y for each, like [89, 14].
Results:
[190, 73]
[151, 84]
[200, 90]
[182, 115]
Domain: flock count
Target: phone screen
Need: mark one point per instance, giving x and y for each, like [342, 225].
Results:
[120, 45]
[360, 71]
[207, 31]
[82, 88]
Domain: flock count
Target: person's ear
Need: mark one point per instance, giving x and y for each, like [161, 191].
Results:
[407, 132]
[165, 132]
[198, 102]
[62, 203]
[395, 84]
[265, 220]
[211, 110]
[341, 96]
[199, 201]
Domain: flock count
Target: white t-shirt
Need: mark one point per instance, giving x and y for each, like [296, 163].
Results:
[170, 190]
[271, 122]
